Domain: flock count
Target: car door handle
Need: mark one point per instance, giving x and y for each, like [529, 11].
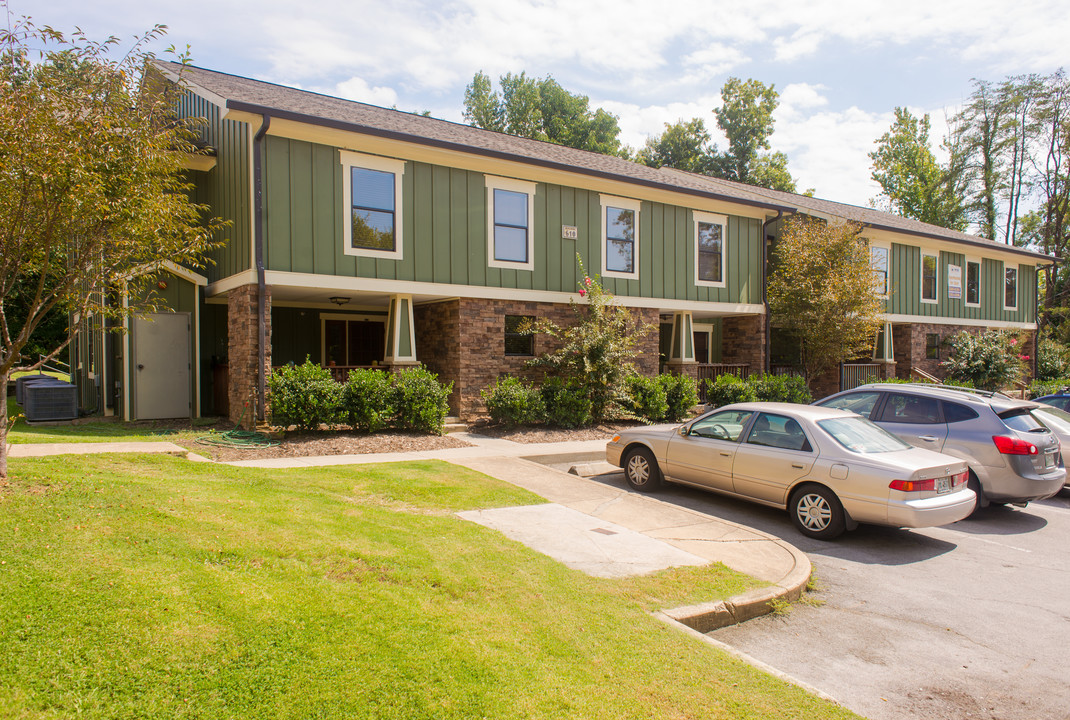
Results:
[928, 438]
[798, 466]
[726, 454]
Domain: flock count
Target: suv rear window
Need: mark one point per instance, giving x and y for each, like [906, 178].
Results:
[914, 409]
[953, 413]
[1019, 419]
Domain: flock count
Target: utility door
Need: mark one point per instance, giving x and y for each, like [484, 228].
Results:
[161, 366]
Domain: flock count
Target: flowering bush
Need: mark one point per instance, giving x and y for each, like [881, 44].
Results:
[990, 361]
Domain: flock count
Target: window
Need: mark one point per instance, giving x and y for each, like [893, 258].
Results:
[371, 191]
[953, 413]
[911, 409]
[515, 342]
[356, 342]
[620, 237]
[710, 246]
[878, 260]
[510, 227]
[859, 402]
[973, 283]
[724, 425]
[928, 278]
[932, 346]
[1010, 288]
[779, 432]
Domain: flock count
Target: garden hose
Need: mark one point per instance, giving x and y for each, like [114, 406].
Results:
[239, 439]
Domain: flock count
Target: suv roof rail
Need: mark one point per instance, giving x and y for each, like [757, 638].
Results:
[956, 388]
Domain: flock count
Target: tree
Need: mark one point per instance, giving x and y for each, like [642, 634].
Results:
[746, 119]
[821, 291]
[912, 180]
[685, 145]
[540, 110]
[597, 352]
[92, 199]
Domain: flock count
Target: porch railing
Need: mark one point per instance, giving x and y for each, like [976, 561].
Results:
[854, 374]
[712, 371]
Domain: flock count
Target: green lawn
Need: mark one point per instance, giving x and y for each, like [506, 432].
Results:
[135, 586]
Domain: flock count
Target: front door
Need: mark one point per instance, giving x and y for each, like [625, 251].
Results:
[162, 366]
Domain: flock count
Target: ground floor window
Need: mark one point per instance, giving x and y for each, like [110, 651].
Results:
[517, 343]
[932, 346]
[350, 343]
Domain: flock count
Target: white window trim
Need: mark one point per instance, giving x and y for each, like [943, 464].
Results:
[608, 201]
[1017, 275]
[888, 268]
[712, 219]
[921, 278]
[349, 160]
[966, 281]
[512, 185]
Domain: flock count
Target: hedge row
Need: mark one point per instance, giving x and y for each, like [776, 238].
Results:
[370, 400]
[511, 401]
[728, 389]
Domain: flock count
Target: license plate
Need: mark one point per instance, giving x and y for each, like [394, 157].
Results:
[1049, 459]
[943, 485]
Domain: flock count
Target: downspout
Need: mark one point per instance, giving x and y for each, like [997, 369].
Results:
[258, 249]
[765, 288]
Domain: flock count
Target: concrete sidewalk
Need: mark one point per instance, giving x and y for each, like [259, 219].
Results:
[597, 526]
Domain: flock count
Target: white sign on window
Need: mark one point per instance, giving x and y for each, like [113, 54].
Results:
[954, 282]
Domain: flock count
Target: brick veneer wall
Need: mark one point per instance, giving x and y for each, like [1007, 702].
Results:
[743, 341]
[464, 341]
[242, 343]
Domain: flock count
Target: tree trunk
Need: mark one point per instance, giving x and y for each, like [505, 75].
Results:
[5, 376]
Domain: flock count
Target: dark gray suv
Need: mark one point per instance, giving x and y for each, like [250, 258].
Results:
[1013, 458]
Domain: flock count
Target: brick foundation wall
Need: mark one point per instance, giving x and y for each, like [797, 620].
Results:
[909, 345]
[242, 350]
[464, 341]
[743, 341]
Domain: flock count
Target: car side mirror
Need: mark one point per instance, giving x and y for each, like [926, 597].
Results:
[684, 430]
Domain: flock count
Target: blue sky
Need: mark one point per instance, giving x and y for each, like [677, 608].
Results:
[841, 67]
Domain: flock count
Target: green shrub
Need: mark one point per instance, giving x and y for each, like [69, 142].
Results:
[728, 389]
[1040, 388]
[512, 401]
[990, 361]
[645, 397]
[1051, 360]
[681, 394]
[780, 388]
[420, 400]
[567, 404]
[306, 396]
[367, 400]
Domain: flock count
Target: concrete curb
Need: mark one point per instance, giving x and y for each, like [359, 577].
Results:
[707, 617]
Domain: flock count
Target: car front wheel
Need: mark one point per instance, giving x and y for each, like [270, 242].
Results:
[817, 512]
[641, 470]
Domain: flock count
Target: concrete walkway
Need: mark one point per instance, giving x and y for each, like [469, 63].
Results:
[596, 526]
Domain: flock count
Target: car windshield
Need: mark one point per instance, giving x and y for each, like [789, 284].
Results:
[1054, 418]
[861, 436]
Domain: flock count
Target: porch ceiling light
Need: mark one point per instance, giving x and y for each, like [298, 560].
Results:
[339, 300]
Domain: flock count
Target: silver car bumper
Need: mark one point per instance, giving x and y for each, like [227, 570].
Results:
[1004, 485]
[931, 511]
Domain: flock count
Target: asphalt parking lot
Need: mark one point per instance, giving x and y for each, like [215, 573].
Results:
[970, 620]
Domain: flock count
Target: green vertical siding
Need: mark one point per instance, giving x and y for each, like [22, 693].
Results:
[444, 233]
[905, 299]
[226, 188]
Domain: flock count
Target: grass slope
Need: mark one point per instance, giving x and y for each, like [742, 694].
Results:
[135, 586]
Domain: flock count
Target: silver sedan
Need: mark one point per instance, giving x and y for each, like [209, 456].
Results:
[830, 468]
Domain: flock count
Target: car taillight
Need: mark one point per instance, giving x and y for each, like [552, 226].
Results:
[1014, 446]
[913, 485]
[961, 478]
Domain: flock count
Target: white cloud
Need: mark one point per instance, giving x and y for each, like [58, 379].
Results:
[359, 90]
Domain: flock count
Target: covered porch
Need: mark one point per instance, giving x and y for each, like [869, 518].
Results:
[708, 345]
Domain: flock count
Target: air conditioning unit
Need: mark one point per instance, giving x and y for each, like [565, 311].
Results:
[56, 400]
[22, 382]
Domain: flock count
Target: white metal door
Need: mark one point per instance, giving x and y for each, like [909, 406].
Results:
[162, 366]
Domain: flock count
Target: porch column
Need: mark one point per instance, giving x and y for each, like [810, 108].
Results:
[682, 346]
[400, 333]
[243, 341]
[884, 352]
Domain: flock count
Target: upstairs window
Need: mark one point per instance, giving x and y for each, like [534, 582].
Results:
[620, 237]
[511, 207]
[878, 260]
[1010, 288]
[371, 204]
[973, 283]
[928, 278]
[710, 249]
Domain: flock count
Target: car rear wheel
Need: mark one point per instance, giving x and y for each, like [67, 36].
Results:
[641, 470]
[974, 484]
[817, 512]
